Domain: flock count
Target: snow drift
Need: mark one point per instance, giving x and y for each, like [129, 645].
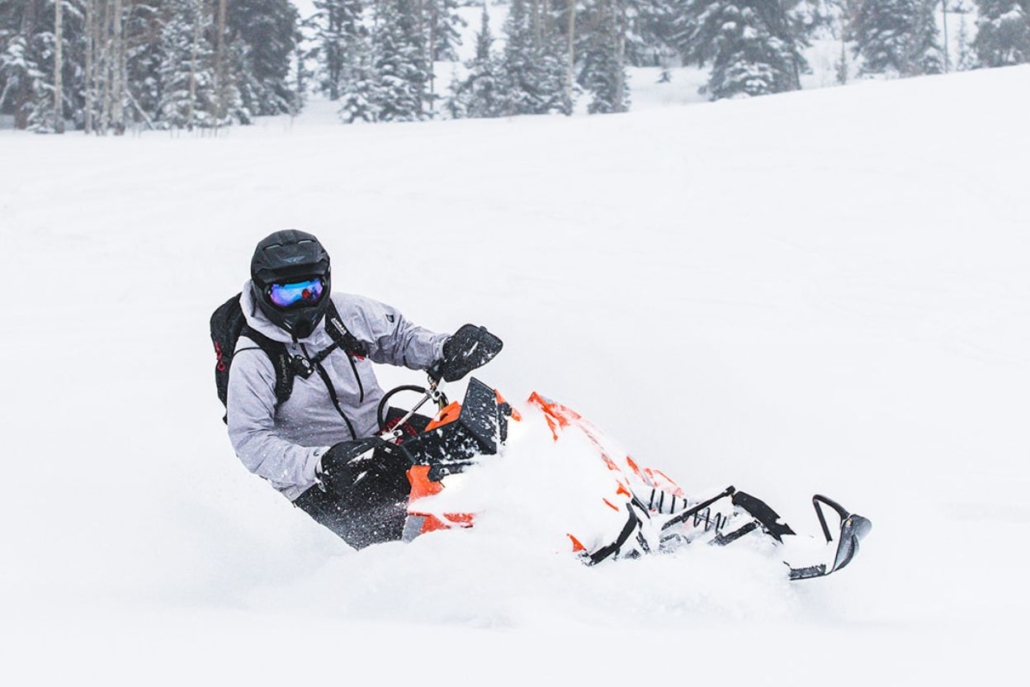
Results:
[820, 291]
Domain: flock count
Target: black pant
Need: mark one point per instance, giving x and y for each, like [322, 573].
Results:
[362, 523]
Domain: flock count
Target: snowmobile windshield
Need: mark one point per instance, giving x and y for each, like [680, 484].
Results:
[298, 293]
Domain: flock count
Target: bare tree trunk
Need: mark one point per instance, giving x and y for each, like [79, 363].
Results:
[432, 67]
[619, 9]
[220, 63]
[125, 94]
[944, 18]
[571, 83]
[197, 14]
[100, 26]
[90, 42]
[58, 67]
[118, 62]
[105, 61]
[295, 102]
[427, 50]
[842, 67]
[23, 92]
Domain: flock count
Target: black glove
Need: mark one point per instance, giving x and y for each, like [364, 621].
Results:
[470, 347]
[365, 472]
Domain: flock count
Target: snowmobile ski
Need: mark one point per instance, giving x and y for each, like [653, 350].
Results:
[853, 529]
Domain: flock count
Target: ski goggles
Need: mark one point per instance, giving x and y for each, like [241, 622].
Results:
[296, 293]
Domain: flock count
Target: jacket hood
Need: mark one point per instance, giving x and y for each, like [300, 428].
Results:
[257, 321]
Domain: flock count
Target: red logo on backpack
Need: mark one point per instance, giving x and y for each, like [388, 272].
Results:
[218, 354]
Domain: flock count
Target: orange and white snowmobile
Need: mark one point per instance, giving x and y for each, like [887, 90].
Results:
[643, 510]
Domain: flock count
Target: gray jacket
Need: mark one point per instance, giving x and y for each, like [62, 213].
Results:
[283, 445]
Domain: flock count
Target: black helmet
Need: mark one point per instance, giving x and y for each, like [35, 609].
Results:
[291, 257]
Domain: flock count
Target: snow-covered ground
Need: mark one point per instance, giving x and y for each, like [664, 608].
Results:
[825, 291]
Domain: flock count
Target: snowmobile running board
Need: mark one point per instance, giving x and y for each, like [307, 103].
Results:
[853, 528]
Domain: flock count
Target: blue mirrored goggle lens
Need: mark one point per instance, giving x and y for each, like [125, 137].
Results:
[285, 295]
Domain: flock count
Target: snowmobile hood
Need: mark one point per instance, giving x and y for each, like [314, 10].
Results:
[260, 323]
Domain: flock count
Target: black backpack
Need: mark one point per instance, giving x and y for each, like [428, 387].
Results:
[228, 324]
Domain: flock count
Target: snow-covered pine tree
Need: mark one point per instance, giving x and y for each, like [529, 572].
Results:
[40, 108]
[58, 64]
[647, 23]
[896, 37]
[264, 32]
[399, 68]
[118, 57]
[28, 80]
[602, 54]
[534, 70]
[444, 25]
[359, 86]
[753, 46]
[187, 68]
[301, 70]
[650, 40]
[1002, 32]
[340, 35]
[480, 94]
[552, 59]
[18, 66]
[517, 61]
[236, 91]
[143, 60]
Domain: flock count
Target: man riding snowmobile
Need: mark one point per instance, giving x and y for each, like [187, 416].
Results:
[295, 372]
[301, 379]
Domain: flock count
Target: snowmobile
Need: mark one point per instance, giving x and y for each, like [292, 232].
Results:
[651, 514]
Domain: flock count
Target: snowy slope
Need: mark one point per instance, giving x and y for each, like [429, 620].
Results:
[825, 291]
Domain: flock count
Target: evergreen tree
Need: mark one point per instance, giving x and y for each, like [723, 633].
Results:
[27, 50]
[897, 37]
[243, 95]
[263, 35]
[152, 61]
[480, 94]
[301, 71]
[445, 25]
[187, 70]
[401, 74]
[753, 46]
[143, 60]
[534, 70]
[21, 59]
[647, 23]
[358, 91]
[551, 55]
[1002, 32]
[341, 38]
[603, 51]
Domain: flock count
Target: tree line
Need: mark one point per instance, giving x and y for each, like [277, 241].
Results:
[103, 66]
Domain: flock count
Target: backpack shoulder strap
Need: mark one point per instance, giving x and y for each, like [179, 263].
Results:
[281, 361]
[341, 336]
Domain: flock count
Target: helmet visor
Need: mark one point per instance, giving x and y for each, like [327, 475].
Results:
[295, 294]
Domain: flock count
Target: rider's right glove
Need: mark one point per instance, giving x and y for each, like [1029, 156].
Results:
[366, 471]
